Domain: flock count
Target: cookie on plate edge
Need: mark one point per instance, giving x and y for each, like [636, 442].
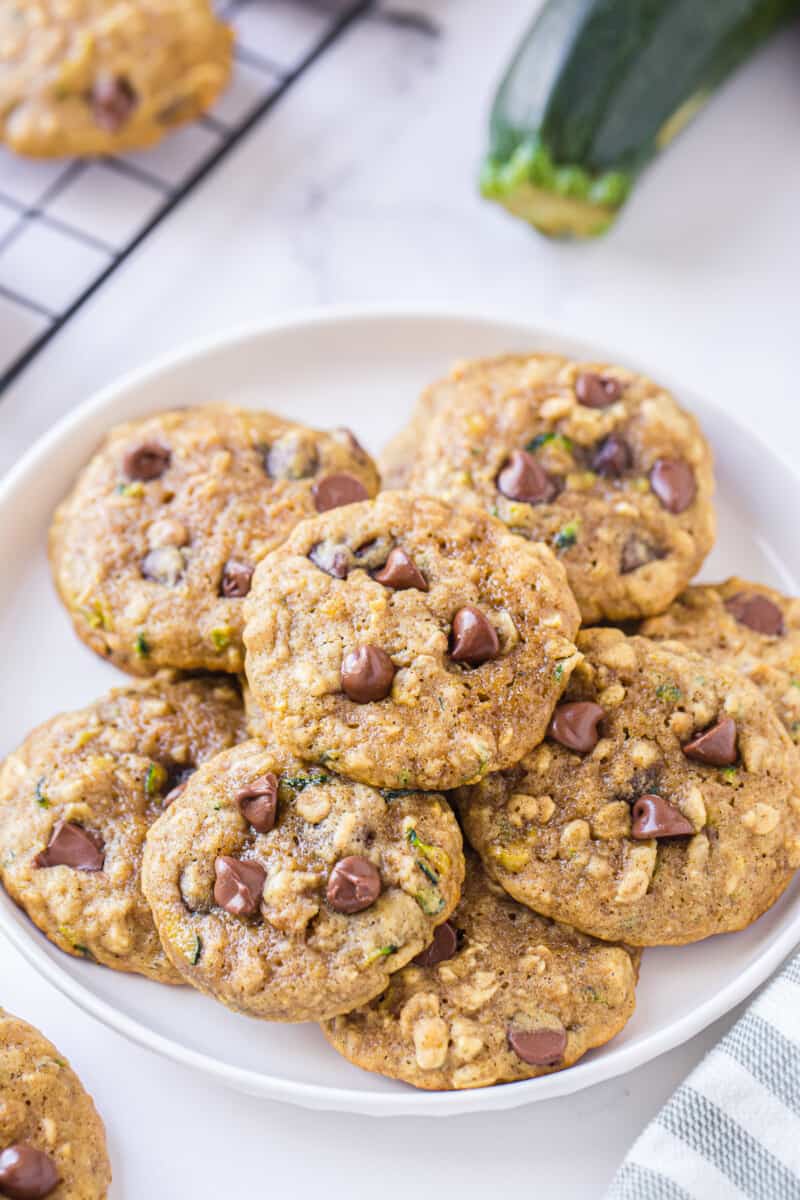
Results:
[600, 463]
[501, 995]
[76, 801]
[663, 806]
[749, 626]
[154, 548]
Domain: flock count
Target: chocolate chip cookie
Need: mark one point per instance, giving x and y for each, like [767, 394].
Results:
[662, 808]
[501, 994]
[488, 379]
[156, 545]
[52, 1141]
[599, 462]
[92, 77]
[748, 626]
[291, 894]
[77, 798]
[409, 644]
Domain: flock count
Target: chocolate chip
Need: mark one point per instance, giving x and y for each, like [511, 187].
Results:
[672, 480]
[401, 572]
[353, 885]
[597, 391]
[539, 1047]
[474, 639]
[239, 885]
[574, 725]
[655, 817]
[367, 674]
[146, 462]
[258, 802]
[717, 746]
[613, 457]
[72, 846]
[113, 100]
[637, 553]
[443, 946]
[164, 565]
[236, 578]
[334, 491]
[757, 612]
[524, 479]
[331, 558]
[26, 1173]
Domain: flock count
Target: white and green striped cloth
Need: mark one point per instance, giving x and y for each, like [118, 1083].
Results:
[732, 1130]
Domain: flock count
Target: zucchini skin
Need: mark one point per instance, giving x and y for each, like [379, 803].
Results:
[597, 88]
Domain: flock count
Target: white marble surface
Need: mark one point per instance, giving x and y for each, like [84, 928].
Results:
[360, 189]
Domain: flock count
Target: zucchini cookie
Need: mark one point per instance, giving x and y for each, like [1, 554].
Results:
[92, 77]
[502, 994]
[598, 462]
[77, 798]
[662, 808]
[291, 894]
[489, 378]
[155, 546]
[748, 626]
[52, 1141]
[409, 644]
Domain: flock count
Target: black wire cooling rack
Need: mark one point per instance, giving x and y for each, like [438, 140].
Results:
[66, 226]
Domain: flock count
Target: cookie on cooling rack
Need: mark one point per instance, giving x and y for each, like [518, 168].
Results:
[94, 77]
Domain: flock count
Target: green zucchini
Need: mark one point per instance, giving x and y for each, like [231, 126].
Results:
[597, 88]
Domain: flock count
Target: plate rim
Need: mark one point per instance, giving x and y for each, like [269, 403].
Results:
[410, 1101]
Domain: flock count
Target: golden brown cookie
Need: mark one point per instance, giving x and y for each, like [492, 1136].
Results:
[407, 643]
[92, 77]
[291, 894]
[663, 807]
[598, 462]
[155, 546]
[749, 626]
[52, 1141]
[397, 460]
[502, 994]
[77, 798]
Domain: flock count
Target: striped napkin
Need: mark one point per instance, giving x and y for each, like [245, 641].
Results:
[732, 1130]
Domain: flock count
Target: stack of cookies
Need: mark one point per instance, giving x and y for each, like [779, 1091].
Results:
[337, 681]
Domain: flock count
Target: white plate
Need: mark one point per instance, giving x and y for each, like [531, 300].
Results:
[361, 369]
